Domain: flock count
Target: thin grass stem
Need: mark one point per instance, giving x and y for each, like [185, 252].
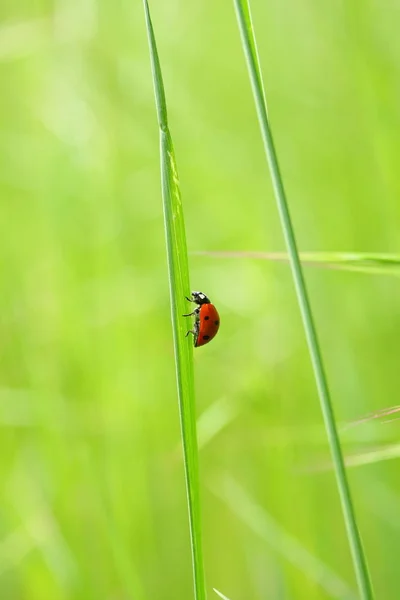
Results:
[253, 64]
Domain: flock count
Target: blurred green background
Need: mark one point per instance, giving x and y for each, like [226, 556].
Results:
[93, 498]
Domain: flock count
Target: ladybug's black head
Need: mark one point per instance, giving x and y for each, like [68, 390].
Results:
[200, 298]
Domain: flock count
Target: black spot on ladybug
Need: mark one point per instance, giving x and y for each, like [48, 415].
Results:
[216, 322]
[206, 318]
[206, 337]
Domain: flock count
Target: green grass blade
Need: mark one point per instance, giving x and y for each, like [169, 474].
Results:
[179, 287]
[249, 46]
[283, 543]
[359, 262]
[220, 595]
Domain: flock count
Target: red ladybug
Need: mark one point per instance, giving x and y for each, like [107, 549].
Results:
[206, 322]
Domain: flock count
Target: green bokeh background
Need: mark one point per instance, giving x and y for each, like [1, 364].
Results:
[93, 498]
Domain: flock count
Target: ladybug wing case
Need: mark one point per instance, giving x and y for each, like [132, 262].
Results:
[208, 324]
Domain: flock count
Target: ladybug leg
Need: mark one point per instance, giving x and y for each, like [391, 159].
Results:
[194, 331]
[192, 313]
[195, 312]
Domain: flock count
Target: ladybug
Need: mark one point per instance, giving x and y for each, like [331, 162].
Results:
[206, 322]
